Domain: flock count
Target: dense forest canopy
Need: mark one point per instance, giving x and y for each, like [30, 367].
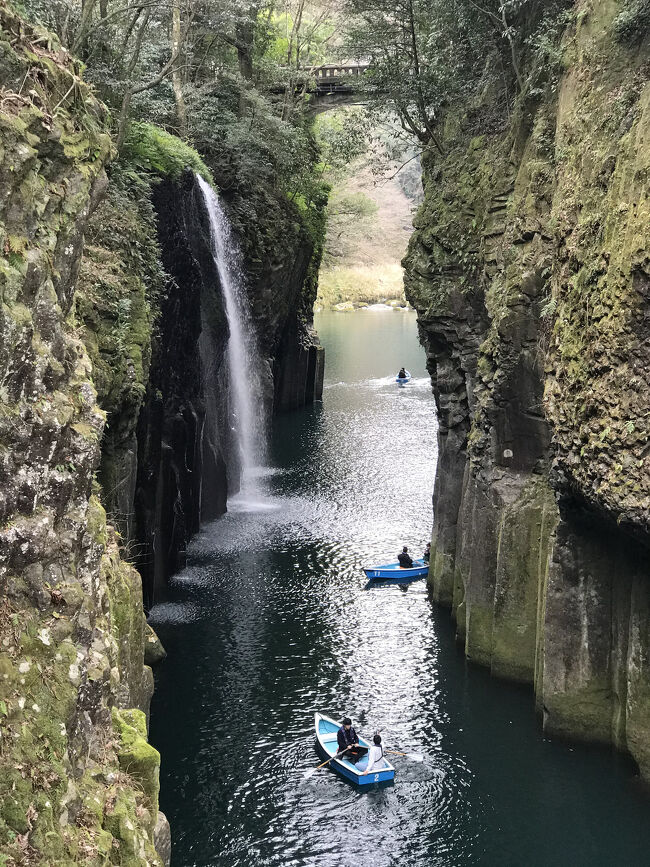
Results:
[234, 78]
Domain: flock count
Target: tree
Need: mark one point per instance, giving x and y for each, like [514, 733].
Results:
[227, 75]
[422, 55]
[427, 54]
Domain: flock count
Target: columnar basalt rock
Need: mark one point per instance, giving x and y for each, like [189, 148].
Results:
[282, 249]
[156, 330]
[110, 368]
[70, 609]
[529, 269]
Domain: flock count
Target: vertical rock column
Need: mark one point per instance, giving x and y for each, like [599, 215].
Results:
[70, 611]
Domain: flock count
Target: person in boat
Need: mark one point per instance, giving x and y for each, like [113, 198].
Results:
[348, 742]
[405, 560]
[402, 374]
[426, 557]
[375, 755]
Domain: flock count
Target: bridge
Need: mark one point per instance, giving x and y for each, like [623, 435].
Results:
[334, 78]
[335, 84]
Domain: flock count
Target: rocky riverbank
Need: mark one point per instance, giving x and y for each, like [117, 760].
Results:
[529, 268]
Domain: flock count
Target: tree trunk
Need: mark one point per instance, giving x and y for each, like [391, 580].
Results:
[245, 36]
[122, 124]
[79, 44]
[177, 79]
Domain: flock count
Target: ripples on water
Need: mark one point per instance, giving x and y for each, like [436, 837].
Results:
[272, 620]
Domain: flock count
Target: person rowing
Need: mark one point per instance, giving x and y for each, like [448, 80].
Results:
[402, 374]
[348, 742]
[405, 560]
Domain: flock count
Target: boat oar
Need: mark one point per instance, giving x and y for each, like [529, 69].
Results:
[312, 771]
[415, 757]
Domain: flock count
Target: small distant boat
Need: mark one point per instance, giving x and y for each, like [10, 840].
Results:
[327, 743]
[394, 570]
[403, 380]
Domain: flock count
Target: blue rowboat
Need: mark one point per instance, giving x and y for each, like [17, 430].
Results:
[326, 730]
[403, 380]
[394, 570]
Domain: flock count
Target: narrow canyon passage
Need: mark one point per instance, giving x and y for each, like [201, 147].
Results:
[271, 621]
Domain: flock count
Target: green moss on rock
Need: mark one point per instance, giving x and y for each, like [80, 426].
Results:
[152, 149]
[137, 757]
[60, 774]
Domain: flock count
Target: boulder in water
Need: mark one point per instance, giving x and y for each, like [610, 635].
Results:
[154, 652]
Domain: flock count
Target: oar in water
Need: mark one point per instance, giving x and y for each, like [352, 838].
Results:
[415, 757]
[312, 771]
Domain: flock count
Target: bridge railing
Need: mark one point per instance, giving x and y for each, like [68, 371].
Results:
[344, 70]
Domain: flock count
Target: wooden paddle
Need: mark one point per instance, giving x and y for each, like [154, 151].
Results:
[312, 771]
[415, 757]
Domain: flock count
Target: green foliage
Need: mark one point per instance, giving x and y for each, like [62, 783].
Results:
[310, 49]
[544, 45]
[342, 137]
[425, 55]
[549, 309]
[632, 24]
[152, 149]
[242, 72]
[349, 214]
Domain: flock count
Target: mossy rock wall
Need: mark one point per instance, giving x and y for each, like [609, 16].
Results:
[70, 610]
[155, 328]
[282, 243]
[529, 268]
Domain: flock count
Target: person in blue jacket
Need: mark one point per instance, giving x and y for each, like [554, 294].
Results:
[348, 742]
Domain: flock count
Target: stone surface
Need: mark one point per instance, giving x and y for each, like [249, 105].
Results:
[71, 615]
[162, 839]
[154, 652]
[529, 268]
[282, 248]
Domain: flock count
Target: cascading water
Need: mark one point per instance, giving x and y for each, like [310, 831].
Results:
[242, 356]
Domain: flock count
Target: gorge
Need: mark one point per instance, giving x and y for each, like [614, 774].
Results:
[163, 205]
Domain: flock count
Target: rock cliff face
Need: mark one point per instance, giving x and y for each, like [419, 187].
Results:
[157, 332]
[184, 446]
[530, 268]
[282, 249]
[78, 780]
[111, 373]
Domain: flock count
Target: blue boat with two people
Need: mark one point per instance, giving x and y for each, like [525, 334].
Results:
[326, 741]
[394, 570]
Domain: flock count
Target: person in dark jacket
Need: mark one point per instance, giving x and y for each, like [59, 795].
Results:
[405, 560]
[427, 553]
[402, 374]
[349, 742]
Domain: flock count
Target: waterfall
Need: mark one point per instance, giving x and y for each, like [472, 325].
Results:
[242, 356]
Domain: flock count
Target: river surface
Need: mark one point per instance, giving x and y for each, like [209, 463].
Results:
[273, 620]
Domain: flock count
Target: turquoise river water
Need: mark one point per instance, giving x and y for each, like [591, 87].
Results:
[272, 620]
